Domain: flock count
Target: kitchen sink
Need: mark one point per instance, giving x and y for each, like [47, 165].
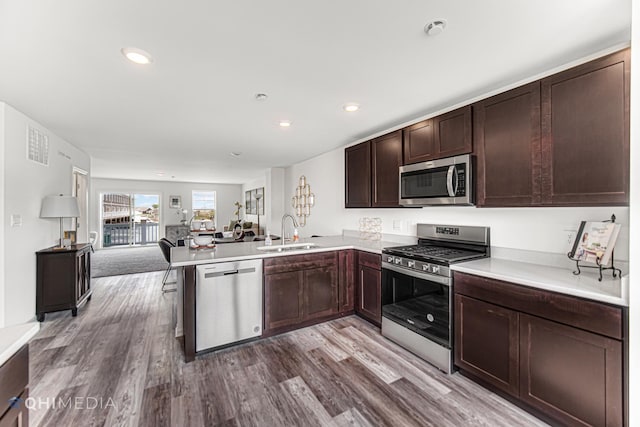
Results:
[289, 247]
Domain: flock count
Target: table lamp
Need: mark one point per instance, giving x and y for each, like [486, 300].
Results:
[60, 207]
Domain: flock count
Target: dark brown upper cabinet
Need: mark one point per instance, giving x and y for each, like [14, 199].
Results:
[386, 159]
[443, 136]
[585, 134]
[357, 175]
[560, 141]
[419, 145]
[507, 143]
[371, 172]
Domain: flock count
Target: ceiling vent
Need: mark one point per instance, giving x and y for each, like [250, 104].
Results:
[37, 146]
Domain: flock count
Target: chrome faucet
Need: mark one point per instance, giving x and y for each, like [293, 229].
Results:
[295, 224]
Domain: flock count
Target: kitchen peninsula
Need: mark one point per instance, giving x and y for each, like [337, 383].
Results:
[344, 249]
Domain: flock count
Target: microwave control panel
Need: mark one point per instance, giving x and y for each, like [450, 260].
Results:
[462, 180]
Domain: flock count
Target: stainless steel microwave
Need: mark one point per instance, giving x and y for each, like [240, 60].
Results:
[438, 182]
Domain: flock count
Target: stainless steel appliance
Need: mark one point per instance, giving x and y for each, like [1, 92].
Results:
[416, 288]
[228, 303]
[438, 182]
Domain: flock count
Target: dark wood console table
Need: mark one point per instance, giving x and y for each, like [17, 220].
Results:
[63, 279]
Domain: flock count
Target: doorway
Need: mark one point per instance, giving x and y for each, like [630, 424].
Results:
[81, 191]
[129, 219]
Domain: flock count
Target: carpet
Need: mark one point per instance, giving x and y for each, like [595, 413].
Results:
[118, 261]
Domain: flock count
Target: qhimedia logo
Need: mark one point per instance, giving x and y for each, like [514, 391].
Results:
[14, 402]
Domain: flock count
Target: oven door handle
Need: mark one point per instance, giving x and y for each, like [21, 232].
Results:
[418, 275]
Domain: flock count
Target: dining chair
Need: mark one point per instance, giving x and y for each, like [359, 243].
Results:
[165, 247]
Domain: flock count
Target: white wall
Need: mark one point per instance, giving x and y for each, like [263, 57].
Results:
[25, 185]
[226, 194]
[277, 200]
[2, 221]
[538, 229]
[634, 285]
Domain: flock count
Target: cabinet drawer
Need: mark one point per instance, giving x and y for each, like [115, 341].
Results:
[589, 315]
[370, 260]
[299, 262]
[14, 377]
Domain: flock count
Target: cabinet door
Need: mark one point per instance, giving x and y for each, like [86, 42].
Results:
[56, 281]
[419, 143]
[452, 132]
[386, 159]
[320, 292]
[486, 342]
[572, 375]
[585, 134]
[357, 174]
[346, 280]
[369, 303]
[506, 131]
[283, 299]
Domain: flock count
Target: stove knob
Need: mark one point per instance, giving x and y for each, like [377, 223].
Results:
[411, 264]
[435, 268]
[389, 258]
[425, 267]
[397, 261]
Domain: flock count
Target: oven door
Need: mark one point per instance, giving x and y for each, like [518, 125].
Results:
[418, 302]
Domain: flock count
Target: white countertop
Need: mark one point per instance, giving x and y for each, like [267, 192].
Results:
[557, 279]
[12, 338]
[183, 256]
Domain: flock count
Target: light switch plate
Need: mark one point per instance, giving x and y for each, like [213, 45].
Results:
[16, 220]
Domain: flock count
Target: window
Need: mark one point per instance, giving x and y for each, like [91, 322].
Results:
[203, 204]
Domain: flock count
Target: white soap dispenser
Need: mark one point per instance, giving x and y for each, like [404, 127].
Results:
[267, 240]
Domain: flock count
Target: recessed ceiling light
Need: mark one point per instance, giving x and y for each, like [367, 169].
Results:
[261, 96]
[285, 123]
[136, 55]
[351, 107]
[160, 173]
[434, 28]
[234, 154]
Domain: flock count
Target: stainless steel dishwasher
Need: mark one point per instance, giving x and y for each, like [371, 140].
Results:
[228, 303]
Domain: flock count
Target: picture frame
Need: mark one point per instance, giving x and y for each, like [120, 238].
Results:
[251, 201]
[175, 202]
[248, 206]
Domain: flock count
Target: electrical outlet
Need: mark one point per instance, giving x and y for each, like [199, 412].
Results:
[571, 235]
[397, 225]
[16, 220]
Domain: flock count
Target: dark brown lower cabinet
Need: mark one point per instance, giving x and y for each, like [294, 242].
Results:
[487, 344]
[320, 291]
[299, 290]
[346, 280]
[369, 288]
[573, 375]
[283, 299]
[560, 357]
[14, 380]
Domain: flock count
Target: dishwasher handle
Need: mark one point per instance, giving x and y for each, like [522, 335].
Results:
[229, 272]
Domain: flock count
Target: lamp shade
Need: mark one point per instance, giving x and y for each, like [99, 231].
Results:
[59, 207]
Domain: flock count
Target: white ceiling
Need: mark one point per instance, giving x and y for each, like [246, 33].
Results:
[60, 63]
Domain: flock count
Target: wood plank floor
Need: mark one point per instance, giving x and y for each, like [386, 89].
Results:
[121, 349]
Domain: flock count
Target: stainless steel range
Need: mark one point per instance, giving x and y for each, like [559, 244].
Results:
[416, 288]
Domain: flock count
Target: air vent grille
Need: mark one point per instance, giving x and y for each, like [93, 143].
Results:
[37, 146]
